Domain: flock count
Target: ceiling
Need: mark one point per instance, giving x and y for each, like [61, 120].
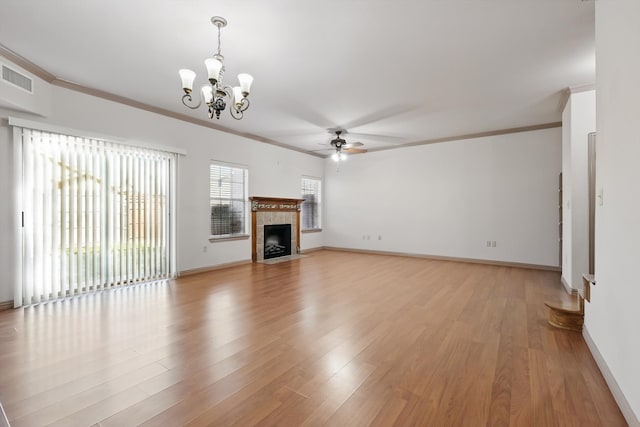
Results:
[392, 72]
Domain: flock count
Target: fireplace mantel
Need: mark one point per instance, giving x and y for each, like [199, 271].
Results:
[273, 210]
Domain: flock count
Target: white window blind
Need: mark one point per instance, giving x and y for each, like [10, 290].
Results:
[311, 193]
[96, 214]
[228, 197]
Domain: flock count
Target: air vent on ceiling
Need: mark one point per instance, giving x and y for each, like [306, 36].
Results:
[17, 79]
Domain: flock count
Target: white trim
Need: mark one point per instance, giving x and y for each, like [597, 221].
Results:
[582, 88]
[247, 204]
[317, 178]
[318, 203]
[16, 229]
[618, 395]
[46, 127]
[228, 237]
[567, 287]
[173, 216]
[446, 258]
[228, 164]
[213, 267]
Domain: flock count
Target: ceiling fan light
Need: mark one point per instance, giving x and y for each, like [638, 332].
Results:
[214, 67]
[335, 157]
[245, 83]
[187, 77]
[343, 156]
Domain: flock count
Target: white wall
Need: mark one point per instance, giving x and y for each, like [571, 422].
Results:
[273, 171]
[448, 199]
[567, 246]
[578, 120]
[612, 316]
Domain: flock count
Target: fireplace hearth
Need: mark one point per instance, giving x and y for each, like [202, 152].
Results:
[277, 240]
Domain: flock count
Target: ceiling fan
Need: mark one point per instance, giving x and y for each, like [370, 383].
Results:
[341, 147]
[359, 128]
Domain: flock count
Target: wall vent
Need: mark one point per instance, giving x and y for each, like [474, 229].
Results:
[17, 79]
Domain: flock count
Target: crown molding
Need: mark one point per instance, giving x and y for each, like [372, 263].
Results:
[167, 113]
[52, 79]
[24, 63]
[473, 135]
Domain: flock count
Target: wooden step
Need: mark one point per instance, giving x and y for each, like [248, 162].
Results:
[567, 314]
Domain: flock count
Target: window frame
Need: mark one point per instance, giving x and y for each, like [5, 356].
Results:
[244, 233]
[317, 203]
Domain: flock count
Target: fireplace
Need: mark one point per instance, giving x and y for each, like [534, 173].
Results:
[277, 240]
[279, 212]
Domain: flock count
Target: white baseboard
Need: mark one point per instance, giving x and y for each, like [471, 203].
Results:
[317, 248]
[6, 305]
[623, 404]
[212, 268]
[447, 258]
[567, 287]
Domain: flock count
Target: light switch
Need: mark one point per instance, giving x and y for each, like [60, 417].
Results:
[601, 197]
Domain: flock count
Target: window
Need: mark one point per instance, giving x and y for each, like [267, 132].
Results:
[228, 197]
[96, 215]
[311, 193]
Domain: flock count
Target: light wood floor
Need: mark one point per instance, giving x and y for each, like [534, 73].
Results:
[332, 339]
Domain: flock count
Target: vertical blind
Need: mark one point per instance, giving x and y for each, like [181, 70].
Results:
[228, 198]
[311, 204]
[96, 215]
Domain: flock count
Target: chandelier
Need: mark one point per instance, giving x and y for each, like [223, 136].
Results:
[216, 95]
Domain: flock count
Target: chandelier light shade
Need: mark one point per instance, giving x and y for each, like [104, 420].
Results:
[216, 95]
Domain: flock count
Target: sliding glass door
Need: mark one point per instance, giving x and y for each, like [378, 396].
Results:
[96, 214]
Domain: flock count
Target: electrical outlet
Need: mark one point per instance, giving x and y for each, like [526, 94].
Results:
[204, 248]
[493, 243]
[379, 237]
[488, 243]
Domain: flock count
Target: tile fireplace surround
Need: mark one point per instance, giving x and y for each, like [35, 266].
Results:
[270, 211]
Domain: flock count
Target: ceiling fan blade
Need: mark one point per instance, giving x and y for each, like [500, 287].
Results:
[303, 112]
[353, 144]
[375, 137]
[379, 115]
[286, 133]
[354, 150]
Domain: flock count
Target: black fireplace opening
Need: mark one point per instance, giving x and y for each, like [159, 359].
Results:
[277, 240]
